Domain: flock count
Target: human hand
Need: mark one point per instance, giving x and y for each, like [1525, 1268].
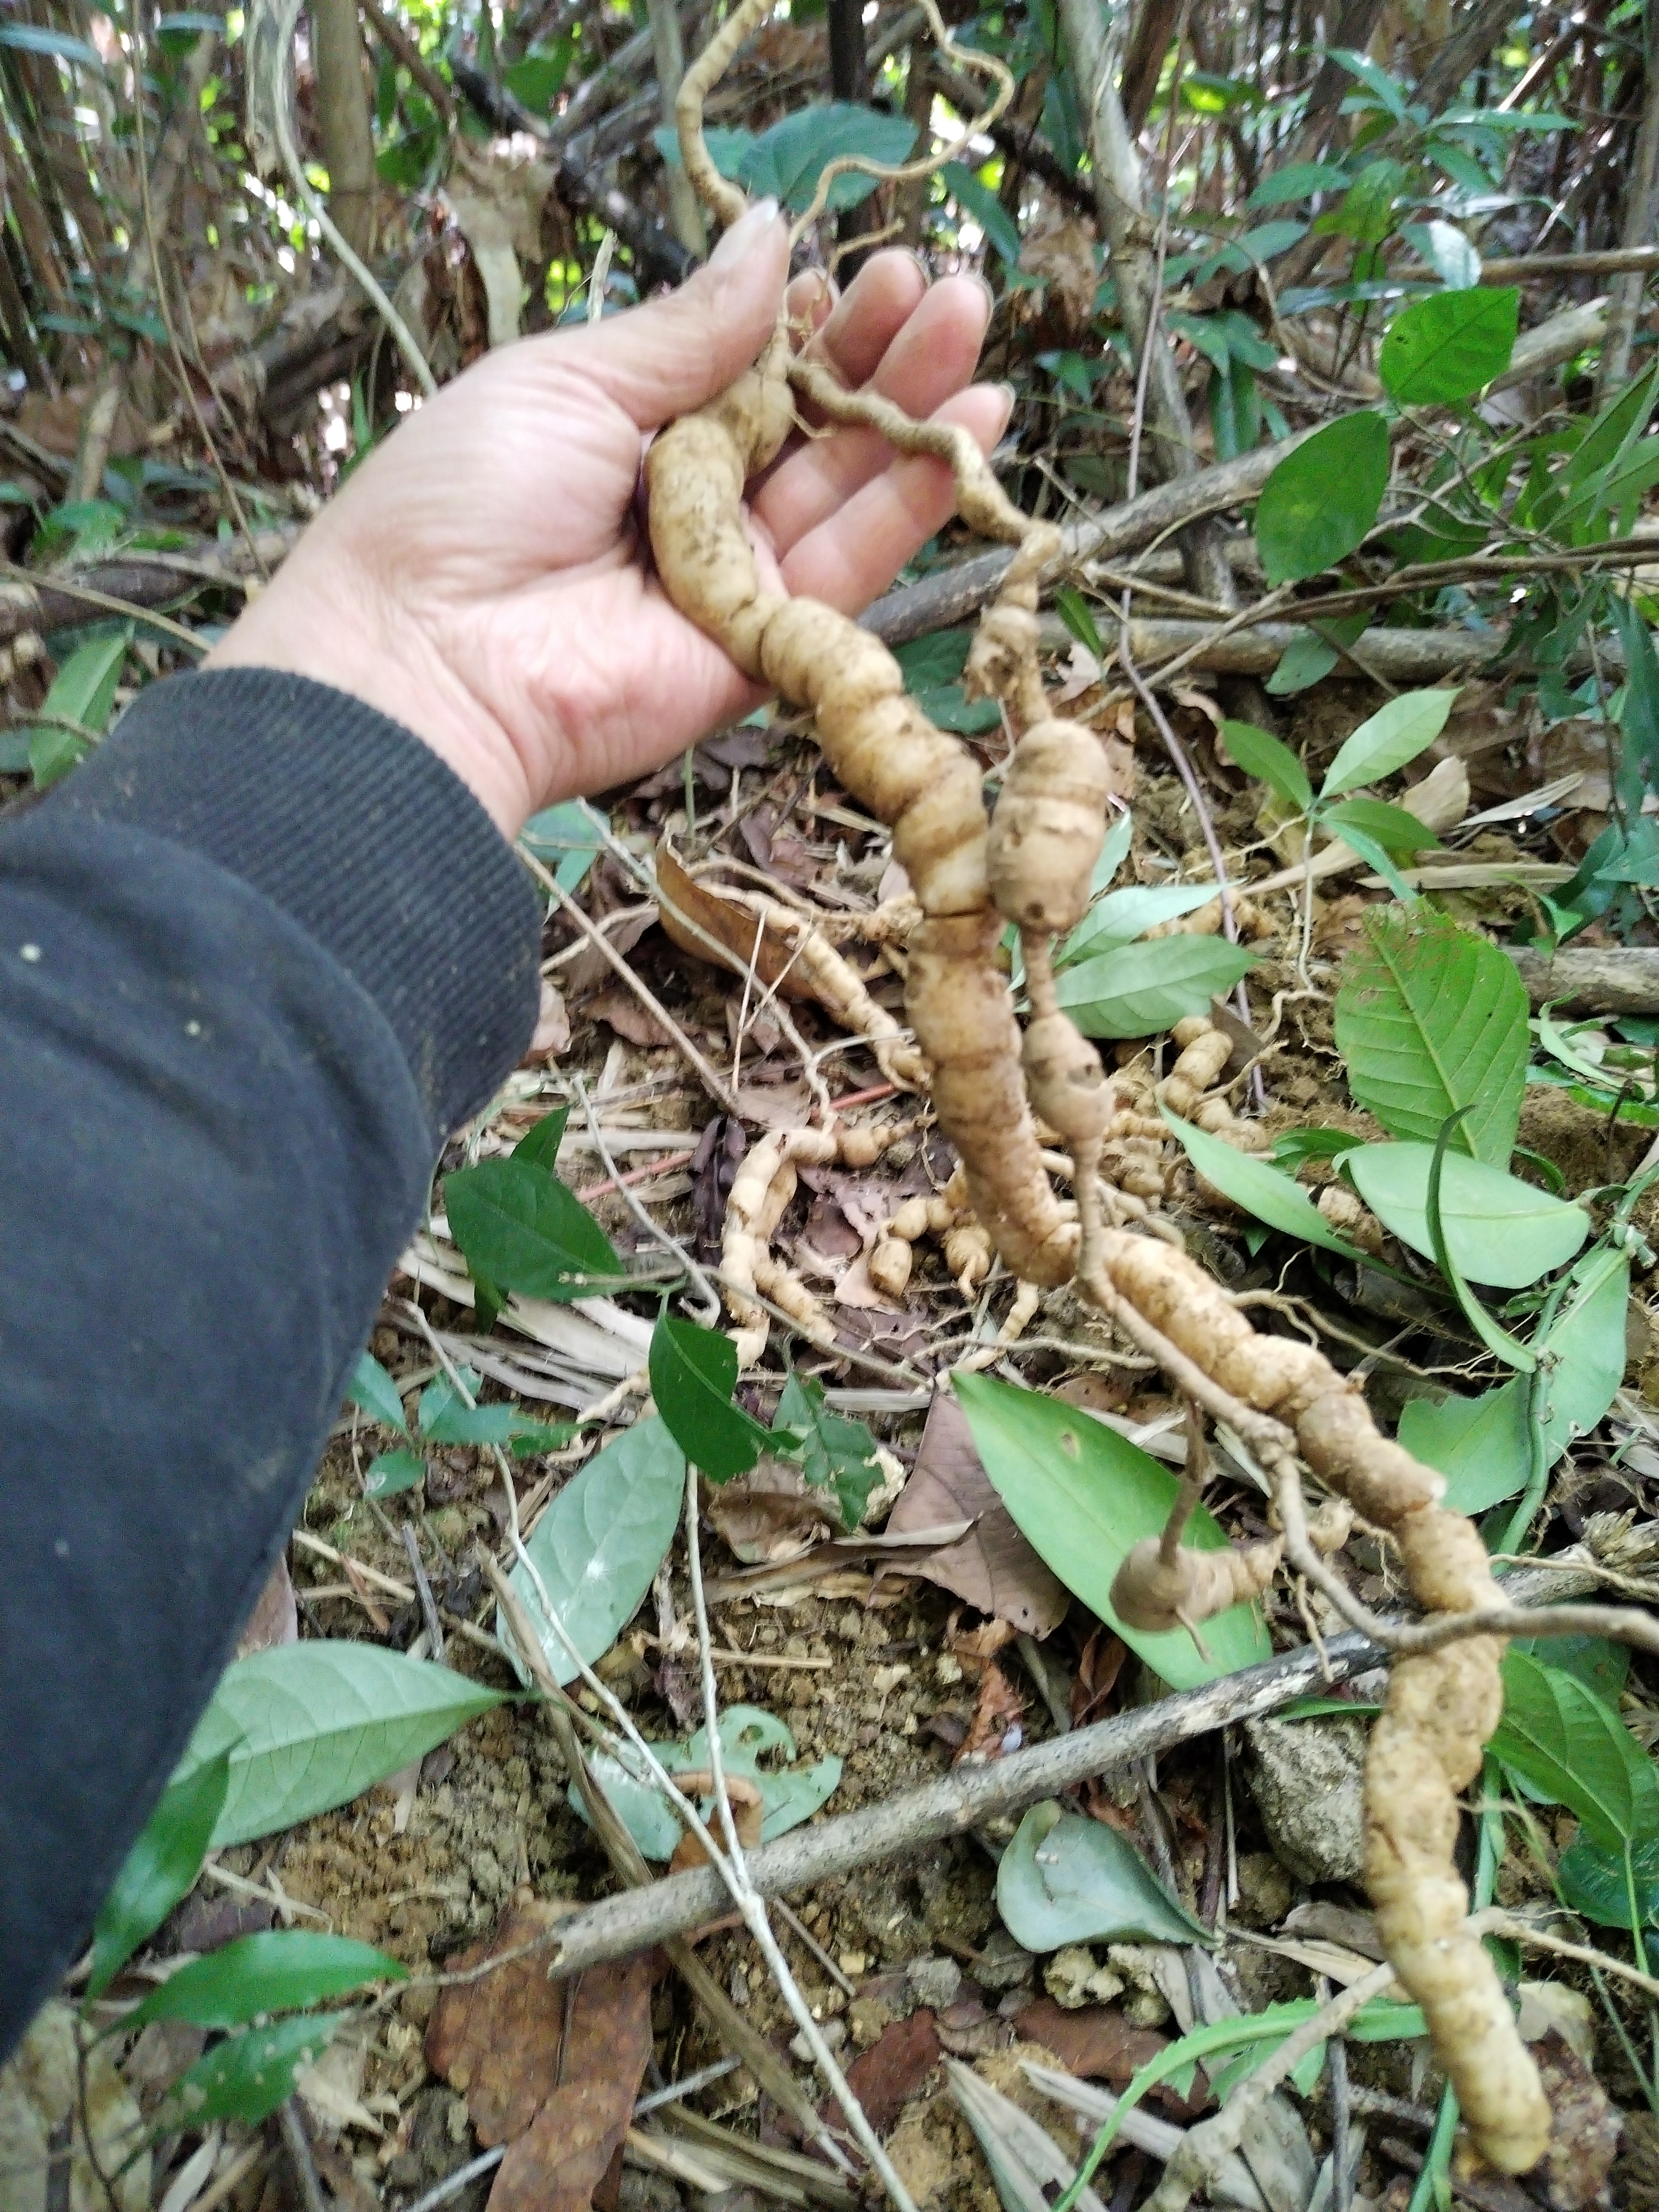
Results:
[482, 577]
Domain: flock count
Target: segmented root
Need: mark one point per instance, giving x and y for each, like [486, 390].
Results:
[1442, 1705]
[1250, 920]
[1205, 1051]
[1033, 870]
[1161, 1587]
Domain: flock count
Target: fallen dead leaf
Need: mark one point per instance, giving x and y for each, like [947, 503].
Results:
[892, 2070]
[1097, 1671]
[993, 1567]
[276, 1619]
[771, 1514]
[996, 1727]
[743, 938]
[976, 1647]
[1097, 2043]
[630, 1020]
[550, 2069]
[552, 1032]
[1063, 258]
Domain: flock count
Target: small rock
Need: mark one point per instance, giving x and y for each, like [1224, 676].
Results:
[1308, 1779]
[934, 1982]
[1073, 1978]
[1003, 1963]
[1265, 1890]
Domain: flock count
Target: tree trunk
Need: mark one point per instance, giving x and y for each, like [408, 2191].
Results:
[1641, 211]
[669, 48]
[342, 120]
[1130, 244]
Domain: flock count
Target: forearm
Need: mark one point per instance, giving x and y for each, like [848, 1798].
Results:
[256, 959]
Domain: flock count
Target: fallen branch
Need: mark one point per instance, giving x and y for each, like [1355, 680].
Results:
[145, 581]
[968, 1796]
[1591, 979]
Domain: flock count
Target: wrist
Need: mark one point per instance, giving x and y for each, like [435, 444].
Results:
[328, 621]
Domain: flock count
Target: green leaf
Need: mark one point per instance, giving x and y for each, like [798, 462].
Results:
[279, 1972]
[1388, 827]
[1305, 661]
[520, 1228]
[1574, 1750]
[1447, 252]
[1297, 180]
[1431, 1017]
[788, 160]
[248, 2075]
[754, 1743]
[1594, 1882]
[1481, 1445]
[1068, 1879]
[979, 201]
[312, 1725]
[1234, 403]
[932, 665]
[537, 80]
[1499, 1230]
[161, 1868]
[1319, 501]
[1081, 1495]
[1258, 1189]
[1142, 988]
[563, 839]
[1585, 1351]
[693, 1374]
[601, 1541]
[1079, 617]
[1260, 754]
[1123, 916]
[540, 1147]
[389, 1474]
[1386, 90]
[838, 1455]
[37, 39]
[1396, 734]
[82, 691]
[373, 1391]
[1293, 1146]
[1449, 345]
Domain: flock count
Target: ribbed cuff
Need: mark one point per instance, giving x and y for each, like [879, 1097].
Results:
[359, 833]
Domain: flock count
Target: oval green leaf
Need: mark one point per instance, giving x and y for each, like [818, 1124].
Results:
[1450, 345]
[1481, 1445]
[1121, 916]
[1431, 1017]
[311, 1725]
[1574, 1750]
[693, 1374]
[1081, 1495]
[521, 1229]
[1259, 1187]
[1068, 1879]
[1499, 1230]
[158, 1869]
[1396, 734]
[601, 1541]
[1594, 1882]
[1260, 754]
[248, 2075]
[373, 1391]
[281, 1971]
[748, 1735]
[1319, 501]
[1141, 988]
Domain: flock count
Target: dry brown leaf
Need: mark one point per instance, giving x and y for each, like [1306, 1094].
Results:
[1064, 259]
[630, 1020]
[748, 1811]
[1098, 2044]
[996, 1727]
[891, 2072]
[992, 1568]
[769, 1515]
[745, 939]
[552, 1033]
[1585, 2128]
[549, 2068]
[276, 1619]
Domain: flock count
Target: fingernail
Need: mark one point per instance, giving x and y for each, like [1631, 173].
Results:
[744, 235]
[984, 284]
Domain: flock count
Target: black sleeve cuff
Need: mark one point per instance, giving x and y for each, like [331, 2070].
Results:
[360, 834]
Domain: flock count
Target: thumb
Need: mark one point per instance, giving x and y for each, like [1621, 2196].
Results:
[673, 354]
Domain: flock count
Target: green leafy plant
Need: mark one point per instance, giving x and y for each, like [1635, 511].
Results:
[596, 1549]
[1068, 1879]
[1081, 1495]
[442, 1416]
[309, 1726]
[787, 160]
[755, 1745]
[520, 1229]
[75, 712]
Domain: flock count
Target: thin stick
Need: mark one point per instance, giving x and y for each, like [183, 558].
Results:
[434, 1633]
[713, 1083]
[747, 1898]
[655, 1229]
[298, 2147]
[402, 1591]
